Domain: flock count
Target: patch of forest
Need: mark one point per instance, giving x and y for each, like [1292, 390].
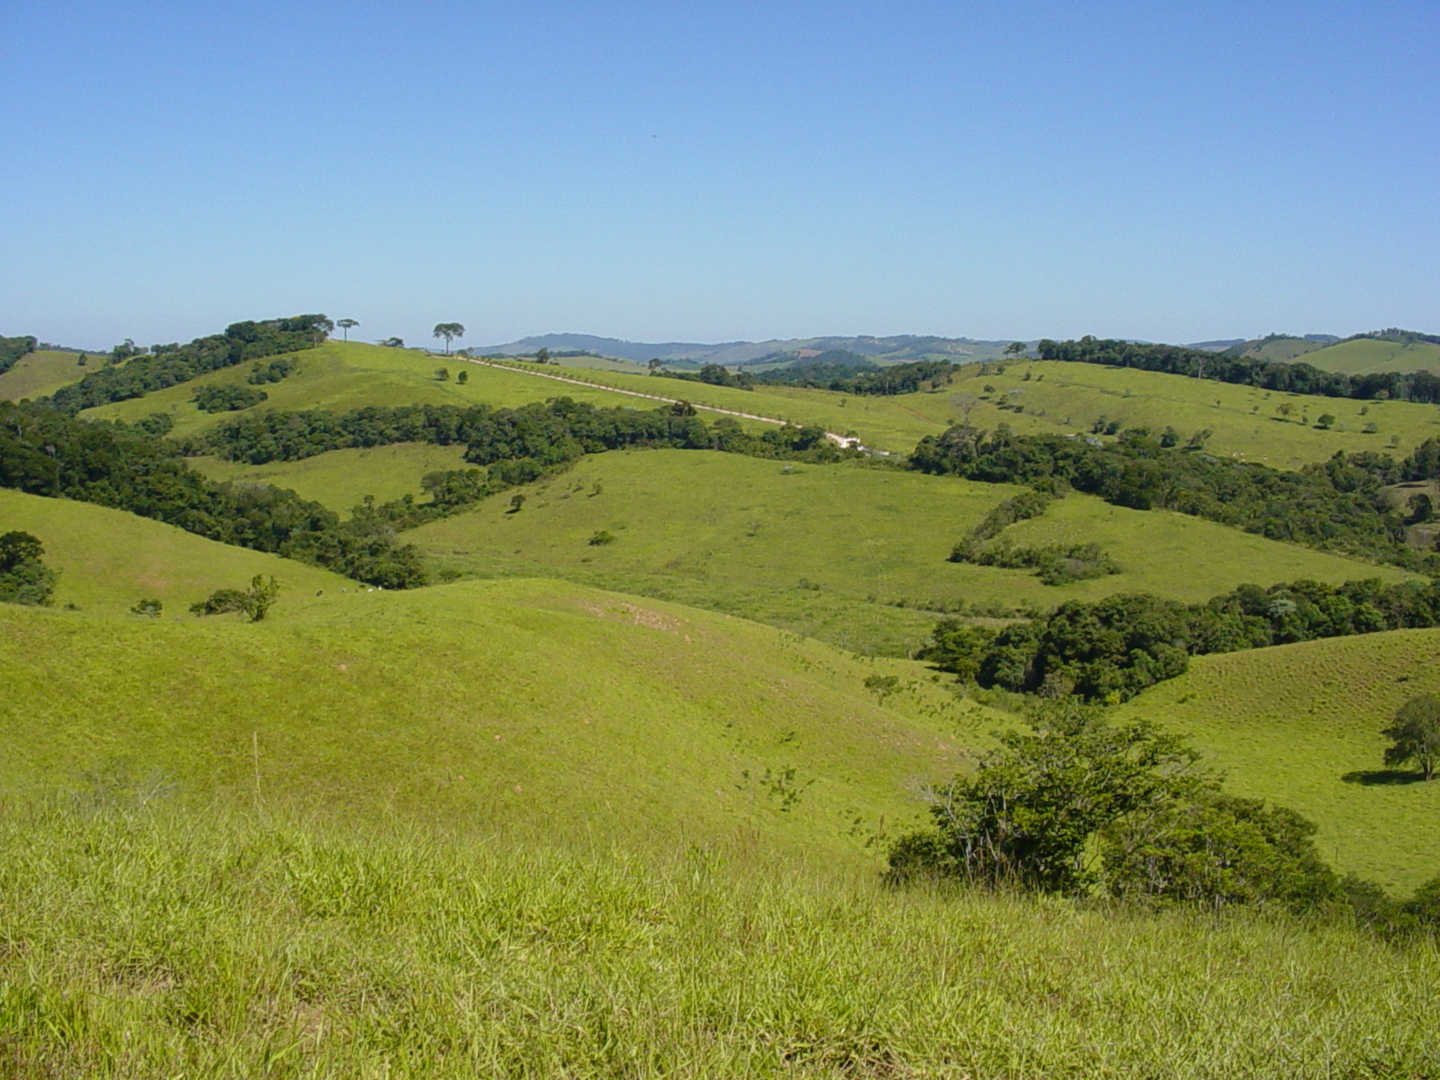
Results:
[1336, 506]
[167, 365]
[1289, 376]
[12, 349]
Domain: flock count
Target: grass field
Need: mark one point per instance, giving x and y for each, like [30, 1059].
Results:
[43, 372]
[341, 377]
[1057, 398]
[150, 943]
[342, 478]
[1300, 724]
[829, 551]
[495, 709]
[109, 559]
[1281, 349]
[1364, 356]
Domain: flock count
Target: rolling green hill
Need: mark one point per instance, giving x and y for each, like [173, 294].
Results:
[43, 372]
[1364, 356]
[342, 478]
[850, 554]
[109, 559]
[515, 708]
[1300, 724]
[1276, 347]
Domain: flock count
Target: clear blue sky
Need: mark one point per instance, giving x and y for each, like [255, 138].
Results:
[657, 171]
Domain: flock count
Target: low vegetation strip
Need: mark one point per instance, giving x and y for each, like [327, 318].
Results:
[1297, 377]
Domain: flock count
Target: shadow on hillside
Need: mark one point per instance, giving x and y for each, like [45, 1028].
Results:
[1376, 777]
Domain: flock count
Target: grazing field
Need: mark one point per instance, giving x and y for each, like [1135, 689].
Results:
[109, 559]
[150, 943]
[340, 377]
[1365, 356]
[513, 709]
[852, 554]
[342, 478]
[1300, 724]
[45, 371]
[1246, 422]
[1282, 349]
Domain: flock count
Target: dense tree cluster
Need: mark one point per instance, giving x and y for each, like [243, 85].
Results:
[713, 375]
[1111, 649]
[24, 578]
[864, 377]
[213, 399]
[241, 342]
[1337, 506]
[45, 452]
[1290, 376]
[12, 349]
[549, 434]
[274, 371]
[1082, 806]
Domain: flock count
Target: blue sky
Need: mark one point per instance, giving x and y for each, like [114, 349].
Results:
[657, 172]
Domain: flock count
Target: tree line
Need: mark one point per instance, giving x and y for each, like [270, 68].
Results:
[50, 453]
[1337, 506]
[1109, 650]
[864, 377]
[143, 373]
[13, 348]
[1289, 376]
[549, 434]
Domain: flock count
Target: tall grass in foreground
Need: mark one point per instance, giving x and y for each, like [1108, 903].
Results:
[145, 943]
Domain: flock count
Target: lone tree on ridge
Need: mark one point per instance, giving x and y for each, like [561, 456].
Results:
[1415, 734]
[346, 324]
[449, 331]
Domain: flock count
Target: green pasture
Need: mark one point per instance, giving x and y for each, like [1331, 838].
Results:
[1246, 422]
[852, 554]
[44, 371]
[1281, 349]
[1365, 356]
[109, 559]
[1300, 724]
[515, 709]
[144, 942]
[340, 377]
[342, 478]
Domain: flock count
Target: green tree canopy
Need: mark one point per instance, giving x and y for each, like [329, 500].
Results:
[1414, 734]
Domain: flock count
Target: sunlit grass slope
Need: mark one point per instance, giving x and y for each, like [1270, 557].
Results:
[1300, 724]
[342, 478]
[1365, 356]
[1283, 349]
[340, 377]
[156, 944]
[109, 559]
[527, 708]
[1064, 397]
[830, 551]
[45, 371]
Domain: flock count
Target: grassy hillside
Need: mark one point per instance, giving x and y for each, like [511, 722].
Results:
[517, 708]
[1366, 355]
[109, 559]
[340, 376]
[1245, 422]
[1301, 724]
[342, 478]
[1277, 348]
[43, 372]
[830, 551]
[153, 944]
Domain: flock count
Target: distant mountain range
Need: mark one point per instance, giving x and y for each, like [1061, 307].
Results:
[896, 349]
